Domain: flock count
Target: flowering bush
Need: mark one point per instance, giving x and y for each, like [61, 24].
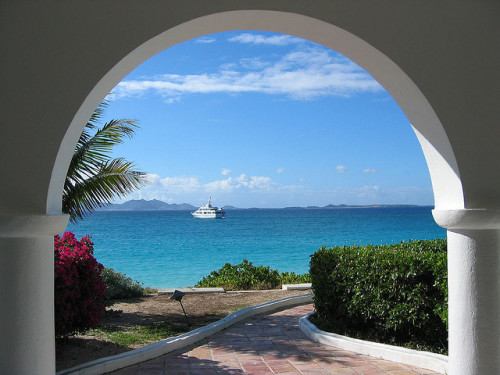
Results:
[79, 288]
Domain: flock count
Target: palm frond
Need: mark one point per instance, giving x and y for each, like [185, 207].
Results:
[95, 119]
[114, 178]
[94, 150]
[93, 179]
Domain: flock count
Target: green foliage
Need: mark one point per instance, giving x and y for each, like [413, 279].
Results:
[149, 290]
[246, 276]
[393, 293]
[293, 278]
[138, 335]
[94, 178]
[119, 286]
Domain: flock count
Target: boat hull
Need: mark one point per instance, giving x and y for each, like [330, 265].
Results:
[208, 215]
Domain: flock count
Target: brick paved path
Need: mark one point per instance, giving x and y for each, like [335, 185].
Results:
[267, 344]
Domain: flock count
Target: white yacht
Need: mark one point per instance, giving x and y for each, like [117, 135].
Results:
[209, 212]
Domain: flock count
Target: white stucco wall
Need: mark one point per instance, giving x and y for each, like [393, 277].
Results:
[439, 60]
[440, 64]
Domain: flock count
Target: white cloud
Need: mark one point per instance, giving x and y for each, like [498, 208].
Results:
[180, 183]
[370, 194]
[275, 40]
[229, 66]
[262, 191]
[254, 63]
[225, 171]
[280, 170]
[301, 75]
[222, 185]
[173, 99]
[152, 179]
[206, 40]
[340, 168]
[261, 182]
[241, 182]
[165, 186]
[369, 170]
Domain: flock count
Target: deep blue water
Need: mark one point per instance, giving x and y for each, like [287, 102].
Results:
[170, 249]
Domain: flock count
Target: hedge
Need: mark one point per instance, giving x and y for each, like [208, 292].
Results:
[394, 293]
[245, 276]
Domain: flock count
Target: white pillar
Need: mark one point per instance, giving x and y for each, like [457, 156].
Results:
[473, 290]
[27, 344]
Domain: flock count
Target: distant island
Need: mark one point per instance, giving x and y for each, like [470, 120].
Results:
[157, 205]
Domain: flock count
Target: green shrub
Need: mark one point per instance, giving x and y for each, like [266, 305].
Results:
[119, 286]
[394, 293]
[293, 278]
[246, 276]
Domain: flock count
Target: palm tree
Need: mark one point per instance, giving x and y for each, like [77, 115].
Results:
[93, 177]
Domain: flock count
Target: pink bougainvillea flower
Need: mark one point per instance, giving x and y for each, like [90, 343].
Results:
[79, 288]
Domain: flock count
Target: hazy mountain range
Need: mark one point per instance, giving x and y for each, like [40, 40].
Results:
[157, 205]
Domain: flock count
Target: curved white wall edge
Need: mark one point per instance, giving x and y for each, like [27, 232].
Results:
[467, 218]
[426, 360]
[159, 348]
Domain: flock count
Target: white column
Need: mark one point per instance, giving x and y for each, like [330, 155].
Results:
[473, 290]
[27, 344]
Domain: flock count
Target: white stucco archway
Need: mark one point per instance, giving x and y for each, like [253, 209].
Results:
[443, 168]
[440, 64]
[430, 133]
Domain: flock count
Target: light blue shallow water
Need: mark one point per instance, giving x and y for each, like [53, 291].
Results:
[171, 249]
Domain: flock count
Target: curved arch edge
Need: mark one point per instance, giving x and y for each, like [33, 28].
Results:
[435, 144]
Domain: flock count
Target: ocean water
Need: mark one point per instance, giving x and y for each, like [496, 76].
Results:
[171, 249]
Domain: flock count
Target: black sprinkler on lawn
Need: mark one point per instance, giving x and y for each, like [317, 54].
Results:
[177, 296]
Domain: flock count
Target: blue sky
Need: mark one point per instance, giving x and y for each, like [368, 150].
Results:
[257, 119]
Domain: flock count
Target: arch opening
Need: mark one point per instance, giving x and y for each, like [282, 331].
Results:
[430, 133]
[268, 110]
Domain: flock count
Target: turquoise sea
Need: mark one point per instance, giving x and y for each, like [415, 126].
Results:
[171, 249]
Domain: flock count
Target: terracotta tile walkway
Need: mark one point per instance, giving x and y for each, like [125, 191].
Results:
[267, 344]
